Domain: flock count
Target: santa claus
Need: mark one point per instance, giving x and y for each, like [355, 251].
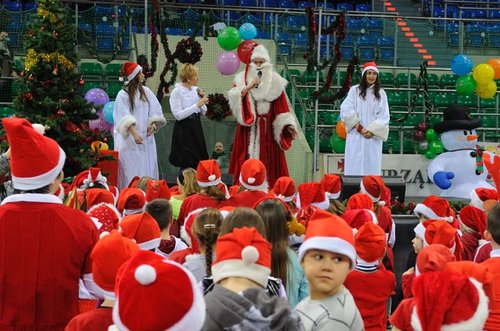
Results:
[266, 126]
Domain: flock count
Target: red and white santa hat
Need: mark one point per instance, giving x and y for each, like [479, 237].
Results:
[478, 271]
[107, 215]
[436, 208]
[472, 219]
[370, 244]
[129, 70]
[312, 194]
[260, 52]
[95, 176]
[284, 188]
[359, 201]
[356, 218]
[153, 293]
[332, 184]
[437, 232]
[226, 210]
[108, 255]
[242, 253]
[98, 195]
[131, 201]
[433, 258]
[157, 189]
[462, 307]
[483, 198]
[35, 160]
[253, 175]
[375, 188]
[187, 234]
[208, 173]
[143, 228]
[328, 232]
[369, 66]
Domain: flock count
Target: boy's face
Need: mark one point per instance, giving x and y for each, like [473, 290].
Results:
[325, 272]
[418, 244]
[219, 147]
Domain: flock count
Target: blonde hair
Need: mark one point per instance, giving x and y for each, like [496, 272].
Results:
[189, 183]
[142, 184]
[187, 71]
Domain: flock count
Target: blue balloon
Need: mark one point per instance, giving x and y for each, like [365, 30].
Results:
[461, 65]
[107, 112]
[248, 31]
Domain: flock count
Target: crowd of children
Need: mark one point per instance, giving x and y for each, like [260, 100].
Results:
[204, 256]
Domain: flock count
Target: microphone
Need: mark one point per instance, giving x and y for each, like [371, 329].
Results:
[259, 75]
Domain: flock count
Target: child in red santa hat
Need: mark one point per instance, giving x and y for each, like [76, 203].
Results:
[253, 179]
[285, 189]
[472, 224]
[142, 228]
[332, 185]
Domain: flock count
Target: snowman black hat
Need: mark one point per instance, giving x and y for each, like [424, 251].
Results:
[457, 118]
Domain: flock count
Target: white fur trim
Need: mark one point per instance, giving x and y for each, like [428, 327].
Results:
[350, 121]
[31, 197]
[38, 128]
[332, 196]
[378, 130]
[122, 126]
[476, 322]
[110, 295]
[61, 193]
[430, 214]
[113, 327]
[392, 236]
[35, 182]
[96, 222]
[150, 244]
[261, 187]
[475, 201]
[363, 190]
[238, 268]
[184, 235]
[192, 320]
[215, 182]
[329, 244]
[280, 122]
[134, 73]
[420, 231]
[236, 101]
[374, 216]
[159, 120]
[369, 68]
[324, 205]
[133, 211]
[361, 262]
[260, 52]
[284, 198]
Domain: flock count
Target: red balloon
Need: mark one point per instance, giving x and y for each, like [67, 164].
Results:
[419, 136]
[245, 50]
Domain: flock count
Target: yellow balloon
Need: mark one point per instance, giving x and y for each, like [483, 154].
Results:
[483, 73]
[486, 91]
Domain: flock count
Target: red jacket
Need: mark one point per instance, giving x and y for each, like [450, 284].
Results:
[94, 320]
[401, 318]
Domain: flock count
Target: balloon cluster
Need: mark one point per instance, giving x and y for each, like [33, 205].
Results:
[104, 109]
[229, 39]
[482, 79]
[337, 141]
[428, 141]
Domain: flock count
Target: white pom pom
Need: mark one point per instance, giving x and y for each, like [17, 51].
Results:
[211, 178]
[145, 274]
[121, 79]
[449, 219]
[250, 254]
[104, 234]
[251, 180]
[381, 203]
[38, 128]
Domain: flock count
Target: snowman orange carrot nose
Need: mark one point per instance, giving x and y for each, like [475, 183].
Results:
[472, 137]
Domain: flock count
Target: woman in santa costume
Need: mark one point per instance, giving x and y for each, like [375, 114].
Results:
[365, 113]
[137, 116]
[266, 126]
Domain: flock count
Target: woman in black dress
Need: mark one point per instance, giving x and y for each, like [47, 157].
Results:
[188, 103]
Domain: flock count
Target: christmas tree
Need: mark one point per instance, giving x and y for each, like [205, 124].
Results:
[51, 87]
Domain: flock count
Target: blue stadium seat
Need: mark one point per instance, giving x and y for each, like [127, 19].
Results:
[453, 39]
[475, 40]
[363, 7]
[13, 5]
[105, 44]
[327, 6]
[305, 4]
[438, 11]
[451, 27]
[30, 5]
[495, 13]
[367, 54]
[263, 35]
[367, 40]
[231, 16]
[387, 54]
[248, 3]
[494, 41]
[452, 11]
[174, 31]
[270, 3]
[296, 23]
[348, 40]
[104, 29]
[287, 4]
[345, 6]
[354, 23]
[347, 52]
[104, 10]
[86, 27]
[386, 41]
[374, 24]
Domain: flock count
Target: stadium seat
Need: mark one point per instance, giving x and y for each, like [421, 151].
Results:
[467, 100]
[114, 88]
[305, 4]
[287, 4]
[433, 80]
[105, 44]
[248, 3]
[366, 54]
[174, 31]
[402, 79]
[386, 54]
[447, 80]
[386, 78]
[90, 85]
[345, 6]
[363, 7]
[295, 23]
[113, 69]
[443, 99]
[489, 121]
[347, 52]
[91, 70]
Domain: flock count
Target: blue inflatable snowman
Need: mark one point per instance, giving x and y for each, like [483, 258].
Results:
[459, 170]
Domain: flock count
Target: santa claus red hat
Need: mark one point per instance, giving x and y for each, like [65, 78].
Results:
[433, 258]
[253, 175]
[94, 175]
[106, 214]
[186, 232]
[131, 201]
[369, 66]
[375, 188]
[157, 189]
[370, 243]
[461, 306]
[328, 232]
[260, 52]
[108, 255]
[208, 173]
[478, 271]
[130, 70]
[436, 208]
[234, 189]
[35, 160]
[143, 228]
[284, 188]
[98, 195]
[472, 219]
[483, 198]
[332, 185]
[359, 201]
[356, 218]
[437, 232]
[153, 293]
[242, 253]
[312, 194]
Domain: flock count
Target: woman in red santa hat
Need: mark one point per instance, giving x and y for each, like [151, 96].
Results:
[137, 116]
[266, 127]
[365, 113]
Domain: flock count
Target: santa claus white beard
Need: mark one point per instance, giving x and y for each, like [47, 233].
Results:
[266, 79]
